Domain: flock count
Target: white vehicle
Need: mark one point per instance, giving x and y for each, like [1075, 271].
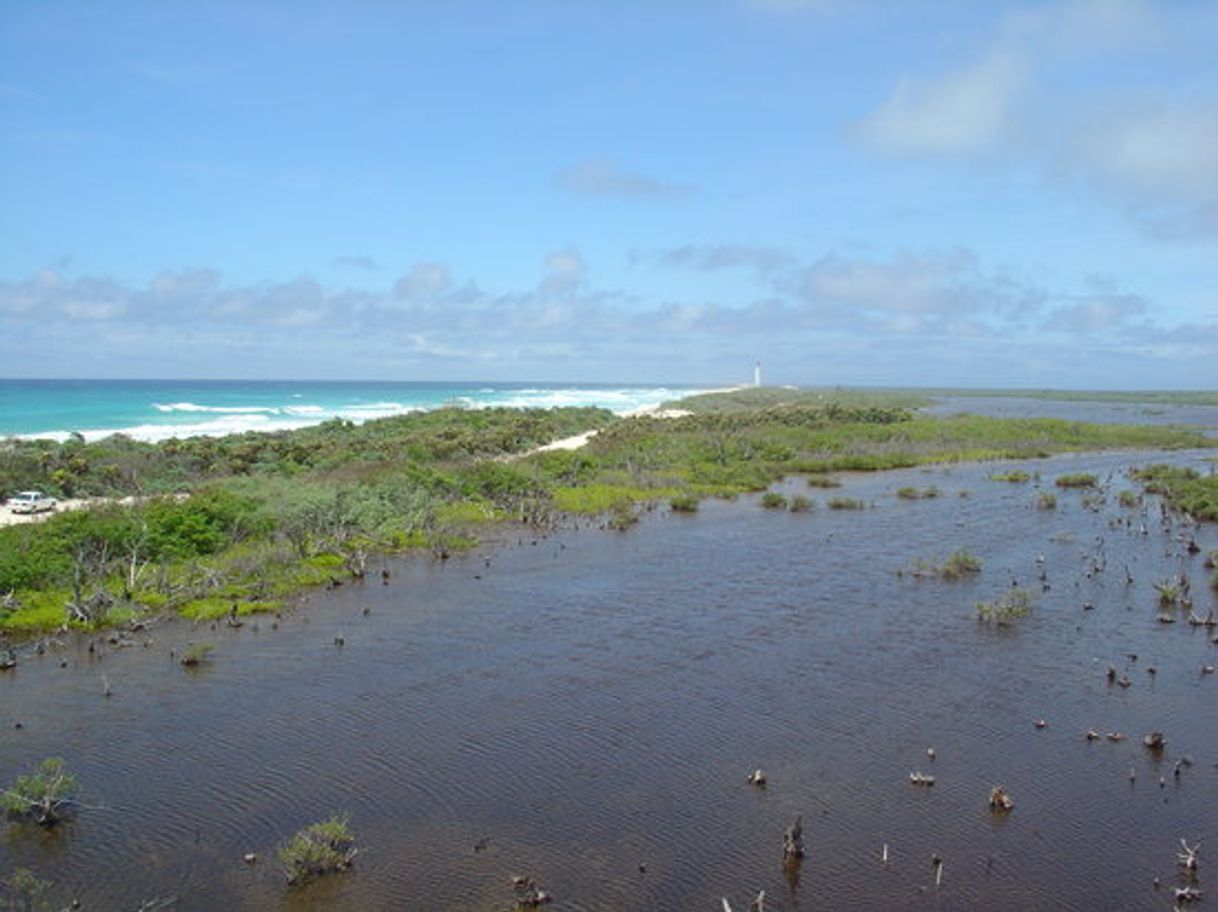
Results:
[31, 502]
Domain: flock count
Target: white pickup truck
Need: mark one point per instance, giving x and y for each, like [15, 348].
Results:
[31, 502]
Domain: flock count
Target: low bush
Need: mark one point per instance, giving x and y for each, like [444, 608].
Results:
[44, 796]
[823, 481]
[846, 503]
[321, 848]
[1077, 480]
[1006, 609]
[1011, 475]
[684, 503]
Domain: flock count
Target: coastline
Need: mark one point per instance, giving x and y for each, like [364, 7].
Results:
[153, 411]
[575, 442]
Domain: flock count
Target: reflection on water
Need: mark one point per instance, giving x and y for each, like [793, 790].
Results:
[586, 709]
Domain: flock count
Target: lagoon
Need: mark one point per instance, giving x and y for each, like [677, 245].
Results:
[586, 706]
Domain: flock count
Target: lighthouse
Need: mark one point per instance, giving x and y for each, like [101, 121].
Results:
[757, 374]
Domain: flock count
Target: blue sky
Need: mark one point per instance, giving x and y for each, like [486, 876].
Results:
[854, 192]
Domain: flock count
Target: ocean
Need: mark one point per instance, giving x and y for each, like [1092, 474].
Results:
[160, 409]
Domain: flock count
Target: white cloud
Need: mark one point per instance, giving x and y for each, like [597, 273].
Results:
[961, 113]
[1029, 94]
[710, 257]
[600, 177]
[1158, 159]
[928, 316]
[426, 281]
[1095, 313]
[564, 273]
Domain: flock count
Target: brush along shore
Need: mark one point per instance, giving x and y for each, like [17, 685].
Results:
[266, 516]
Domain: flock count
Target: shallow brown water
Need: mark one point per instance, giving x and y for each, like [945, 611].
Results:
[592, 703]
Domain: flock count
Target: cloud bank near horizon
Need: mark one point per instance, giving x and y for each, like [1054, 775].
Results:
[924, 317]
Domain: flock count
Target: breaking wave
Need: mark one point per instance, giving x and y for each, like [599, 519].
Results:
[169, 419]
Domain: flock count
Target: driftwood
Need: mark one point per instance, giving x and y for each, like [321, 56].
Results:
[919, 778]
[1000, 799]
[529, 894]
[793, 841]
[757, 905]
[1188, 857]
[1155, 741]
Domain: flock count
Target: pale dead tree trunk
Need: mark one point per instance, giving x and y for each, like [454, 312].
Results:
[356, 562]
[136, 568]
[85, 564]
[1188, 857]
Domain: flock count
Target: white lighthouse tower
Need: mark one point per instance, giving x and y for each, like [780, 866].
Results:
[757, 374]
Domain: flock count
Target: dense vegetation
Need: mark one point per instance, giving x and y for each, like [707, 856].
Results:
[1186, 489]
[238, 524]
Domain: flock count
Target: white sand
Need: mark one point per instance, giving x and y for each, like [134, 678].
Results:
[9, 518]
[581, 440]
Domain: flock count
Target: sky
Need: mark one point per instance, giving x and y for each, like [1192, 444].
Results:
[852, 192]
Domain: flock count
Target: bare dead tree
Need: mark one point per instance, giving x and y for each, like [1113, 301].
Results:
[793, 841]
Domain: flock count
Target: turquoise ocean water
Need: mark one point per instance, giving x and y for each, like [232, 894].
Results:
[159, 409]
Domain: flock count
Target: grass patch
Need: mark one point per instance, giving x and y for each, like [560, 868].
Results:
[683, 503]
[1046, 500]
[958, 565]
[801, 504]
[1077, 480]
[912, 493]
[1185, 489]
[772, 500]
[845, 503]
[823, 481]
[1008, 608]
[1016, 476]
[196, 654]
[596, 498]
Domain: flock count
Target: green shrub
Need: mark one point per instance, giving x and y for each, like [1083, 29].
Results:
[1006, 609]
[846, 503]
[43, 796]
[23, 891]
[823, 481]
[196, 654]
[684, 503]
[1077, 480]
[321, 848]
[1012, 475]
[1184, 488]
[911, 493]
[958, 565]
